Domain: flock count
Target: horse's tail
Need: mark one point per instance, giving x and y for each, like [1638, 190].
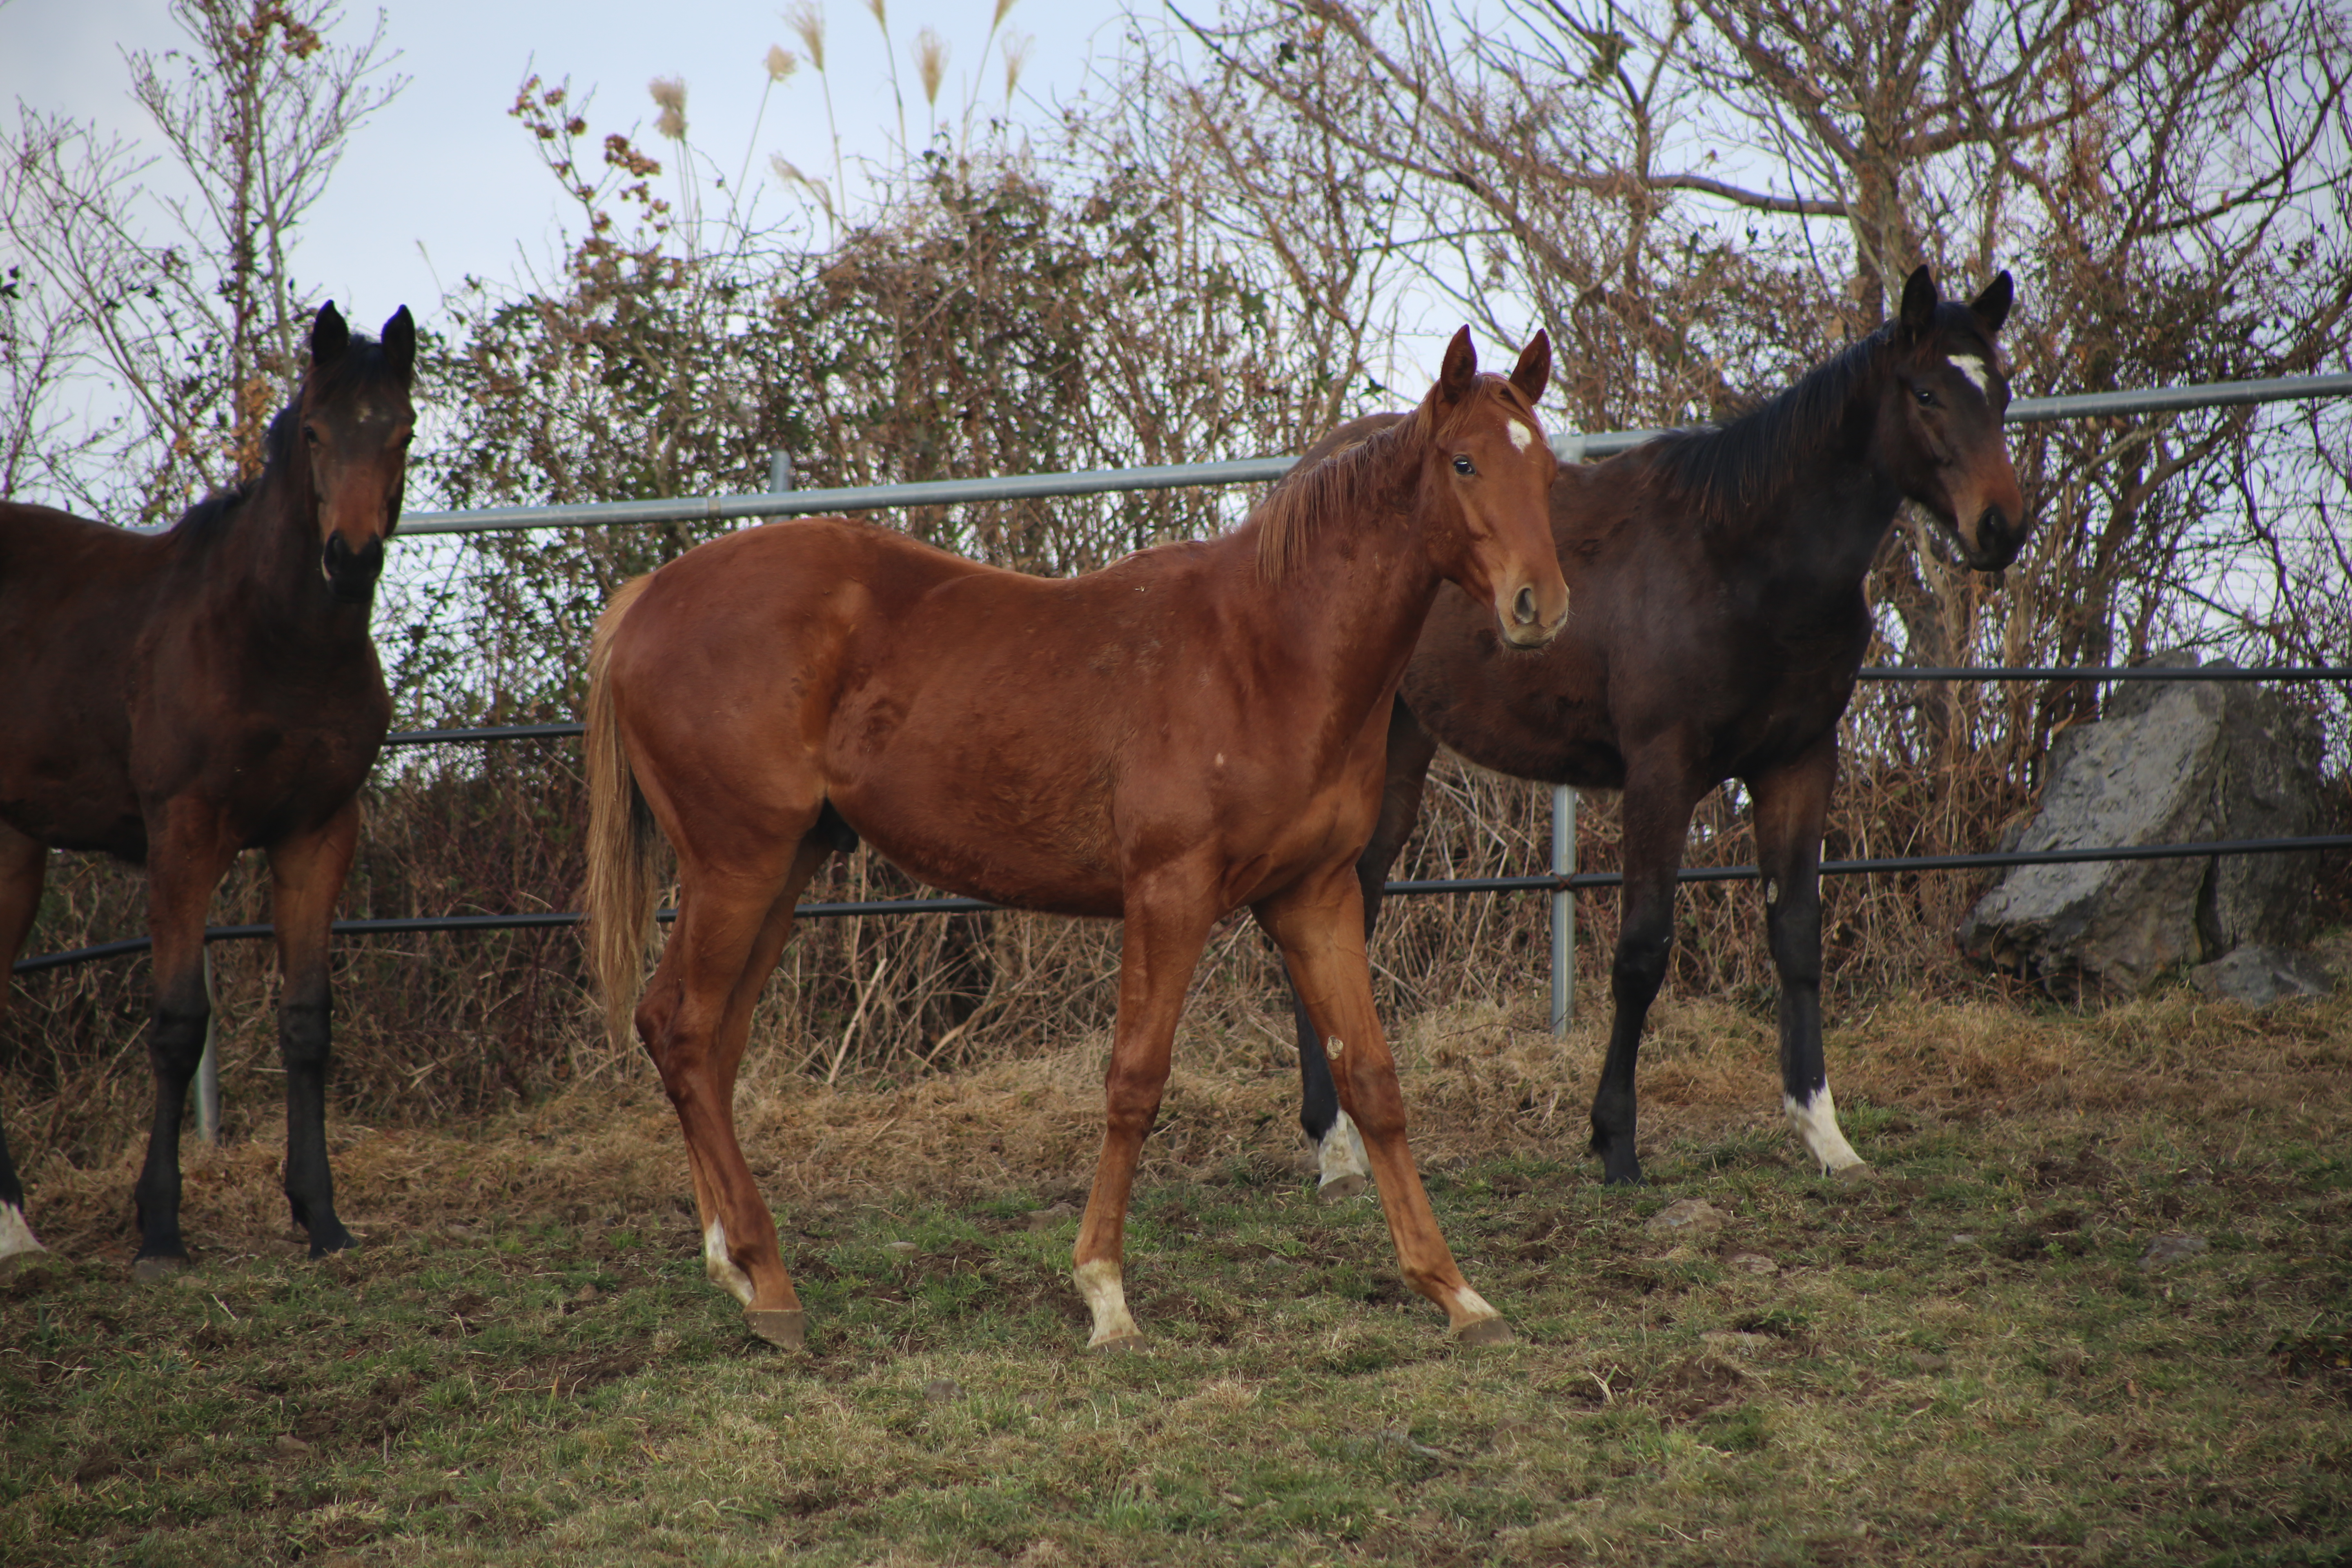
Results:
[621, 839]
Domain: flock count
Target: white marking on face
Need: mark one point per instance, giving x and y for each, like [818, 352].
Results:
[1816, 1124]
[1342, 1155]
[1521, 435]
[16, 1236]
[1333, 1047]
[720, 1267]
[1099, 1283]
[1973, 367]
[1771, 891]
[1221, 759]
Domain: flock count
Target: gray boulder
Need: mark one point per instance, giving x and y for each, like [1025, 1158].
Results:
[2260, 975]
[2172, 763]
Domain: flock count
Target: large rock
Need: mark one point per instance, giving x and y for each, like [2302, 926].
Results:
[2172, 763]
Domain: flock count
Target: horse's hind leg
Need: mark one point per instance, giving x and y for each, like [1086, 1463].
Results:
[189, 851]
[695, 1021]
[1340, 1146]
[307, 872]
[22, 862]
[1317, 927]
[1791, 806]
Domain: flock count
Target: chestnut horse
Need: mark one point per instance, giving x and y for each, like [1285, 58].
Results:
[176, 699]
[1721, 619]
[1196, 729]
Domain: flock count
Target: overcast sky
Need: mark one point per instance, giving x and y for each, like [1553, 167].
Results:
[441, 182]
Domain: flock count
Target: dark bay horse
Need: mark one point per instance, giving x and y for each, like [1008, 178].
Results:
[176, 698]
[1719, 620]
[1193, 730]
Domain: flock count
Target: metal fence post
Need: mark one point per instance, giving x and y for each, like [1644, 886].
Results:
[208, 1065]
[780, 473]
[1563, 909]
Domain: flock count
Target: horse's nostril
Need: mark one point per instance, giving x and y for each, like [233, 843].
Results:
[1523, 607]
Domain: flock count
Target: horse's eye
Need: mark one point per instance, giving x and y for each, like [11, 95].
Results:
[1927, 396]
[311, 434]
[1463, 465]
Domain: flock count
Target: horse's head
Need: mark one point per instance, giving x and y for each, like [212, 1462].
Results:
[356, 421]
[1945, 433]
[1489, 471]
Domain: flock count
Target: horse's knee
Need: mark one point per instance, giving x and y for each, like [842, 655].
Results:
[1640, 963]
[303, 1034]
[175, 1040]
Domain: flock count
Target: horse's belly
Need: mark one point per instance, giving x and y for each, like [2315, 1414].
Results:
[989, 838]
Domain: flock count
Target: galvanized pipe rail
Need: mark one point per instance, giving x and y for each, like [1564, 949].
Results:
[781, 500]
[1571, 447]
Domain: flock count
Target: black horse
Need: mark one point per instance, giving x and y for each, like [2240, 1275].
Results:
[1718, 619]
[178, 699]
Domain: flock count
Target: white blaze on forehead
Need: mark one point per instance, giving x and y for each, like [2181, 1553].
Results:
[1973, 367]
[1522, 435]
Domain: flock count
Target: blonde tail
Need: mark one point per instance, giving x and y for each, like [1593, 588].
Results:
[621, 840]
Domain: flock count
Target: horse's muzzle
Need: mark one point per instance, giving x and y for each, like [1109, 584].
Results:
[352, 573]
[1525, 623]
[1994, 543]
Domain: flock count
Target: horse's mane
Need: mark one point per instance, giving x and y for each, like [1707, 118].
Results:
[1747, 460]
[1350, 482]
[362, 360]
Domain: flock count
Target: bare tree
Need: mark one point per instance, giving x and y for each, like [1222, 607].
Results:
[184, 305]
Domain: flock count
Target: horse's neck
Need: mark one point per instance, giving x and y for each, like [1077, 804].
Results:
[1824, 528]
[259, 562]
[1351, 607]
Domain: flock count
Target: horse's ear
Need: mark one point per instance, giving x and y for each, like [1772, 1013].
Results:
[400, 343]
[1533, 372]
[329, 337]
[1460, 371]
[1918, 313]
[1991, 306]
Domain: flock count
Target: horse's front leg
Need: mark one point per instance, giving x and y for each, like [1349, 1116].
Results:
[1792, 807]
[1660, 794]
[306, 873]
[189, 848]
[1319, 926]
[1168, 922]
[22, 862]
[1339, 1145]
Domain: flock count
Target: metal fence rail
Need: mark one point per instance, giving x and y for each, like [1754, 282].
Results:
[1571, 448]
[1563, 879]
[1555, 882]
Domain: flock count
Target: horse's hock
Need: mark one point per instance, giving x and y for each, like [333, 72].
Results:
[2172, 763]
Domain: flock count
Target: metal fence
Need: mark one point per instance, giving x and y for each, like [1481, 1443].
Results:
[1562, 881]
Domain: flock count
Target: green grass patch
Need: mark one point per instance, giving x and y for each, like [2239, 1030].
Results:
[1965, 1361]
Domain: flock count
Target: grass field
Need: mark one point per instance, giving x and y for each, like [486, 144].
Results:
[1965, 1361]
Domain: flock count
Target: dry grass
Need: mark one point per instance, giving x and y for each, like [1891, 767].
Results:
[1483, 1082]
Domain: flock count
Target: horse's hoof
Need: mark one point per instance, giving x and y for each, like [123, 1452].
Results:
[1633, 1178]
[784, 1329]
[339, 1240]
[1860, 1170]
[1334, 1188]
[1485, 1331]
[1116, 1344]
[155, 1270]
